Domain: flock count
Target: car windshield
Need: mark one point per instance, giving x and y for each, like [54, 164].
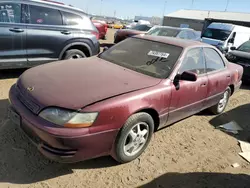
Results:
[245, 47]
[166, 32]
[217, 34]
[151, 58]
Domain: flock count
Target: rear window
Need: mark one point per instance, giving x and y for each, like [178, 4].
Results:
[72, 19]
[151, 58]
[166, 32]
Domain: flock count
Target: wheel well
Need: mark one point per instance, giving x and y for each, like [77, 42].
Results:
[232, 89]
[83, 48]
[154, 114]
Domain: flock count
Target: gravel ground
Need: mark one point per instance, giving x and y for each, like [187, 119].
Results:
[190, 153]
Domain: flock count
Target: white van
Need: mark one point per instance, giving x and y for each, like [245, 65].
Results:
[224, 36]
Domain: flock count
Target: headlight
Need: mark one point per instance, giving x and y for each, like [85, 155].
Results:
[67, 118]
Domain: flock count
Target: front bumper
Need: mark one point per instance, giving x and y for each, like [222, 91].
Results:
[62, 144]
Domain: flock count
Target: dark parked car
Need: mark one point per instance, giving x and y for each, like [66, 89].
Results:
[183, 33]
[37, 32]
[122, 34]
[241, 56]
[112, 104]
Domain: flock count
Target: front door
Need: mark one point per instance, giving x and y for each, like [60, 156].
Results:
[12, 36]
[190, 97]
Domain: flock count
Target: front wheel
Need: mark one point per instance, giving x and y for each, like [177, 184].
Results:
[134, 137]
[221, 105]
[74, 54]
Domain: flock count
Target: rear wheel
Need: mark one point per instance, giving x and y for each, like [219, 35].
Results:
[221, 105]
[134, 137]
[74, 54]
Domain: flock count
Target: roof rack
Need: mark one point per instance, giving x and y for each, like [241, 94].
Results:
[56, 2]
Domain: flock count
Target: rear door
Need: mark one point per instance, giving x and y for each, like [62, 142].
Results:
[12, 35]
[218, 76]
[46, 35]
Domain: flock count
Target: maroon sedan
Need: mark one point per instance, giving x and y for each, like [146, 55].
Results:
[122, 34]
[101, 27]
[111, 104]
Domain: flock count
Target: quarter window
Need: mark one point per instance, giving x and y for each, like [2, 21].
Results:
[72, 19]
[193, 62]
[183, 35]
[213, 60]
[44, 16]
[10, 12]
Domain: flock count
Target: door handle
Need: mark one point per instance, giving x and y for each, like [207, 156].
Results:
[16, 30]
[228, 76]
[203, 85]
[66, 32]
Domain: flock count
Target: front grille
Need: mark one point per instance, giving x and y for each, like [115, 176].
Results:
[31, 105]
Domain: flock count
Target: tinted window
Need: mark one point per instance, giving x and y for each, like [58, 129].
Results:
[183, 35]
[10, 13]
[44, 16]
[245, 47]
[141, 27]
[72, 19]
[166, 32]
[213, 60]
[148, 57]
[193, 62]
[216, 34]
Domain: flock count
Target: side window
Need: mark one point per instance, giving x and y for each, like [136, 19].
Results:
[190, 35]
[213, 60]
[10, 12]
[44, 16]
[183, 35]
[72, 19]
[193, 62]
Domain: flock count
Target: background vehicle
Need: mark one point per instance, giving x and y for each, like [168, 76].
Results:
[118, 25]
[137, 22]
[153, 82]
[125, 33]
[183, 33]
[224, 36]
[241, 56]
[101, 27]
[37, 32]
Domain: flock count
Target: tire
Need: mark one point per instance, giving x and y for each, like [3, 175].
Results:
[136, 142]
[221, 105]
[74, 54]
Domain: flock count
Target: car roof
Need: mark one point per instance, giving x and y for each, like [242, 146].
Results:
[173, 41]
[53, 3]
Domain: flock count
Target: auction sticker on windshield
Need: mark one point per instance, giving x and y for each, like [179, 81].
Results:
[158, 54]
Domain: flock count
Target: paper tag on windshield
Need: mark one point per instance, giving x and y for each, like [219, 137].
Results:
[158, 54]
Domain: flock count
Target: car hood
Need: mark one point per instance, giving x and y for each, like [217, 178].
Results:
[73, 84]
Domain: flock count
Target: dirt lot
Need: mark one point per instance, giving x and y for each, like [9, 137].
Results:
[191, 153]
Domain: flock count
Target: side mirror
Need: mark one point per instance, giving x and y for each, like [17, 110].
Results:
[187, 76]
[233, 48]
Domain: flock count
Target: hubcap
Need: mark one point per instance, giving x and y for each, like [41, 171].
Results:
[223, 101]
[75, 56]
[136, 139]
